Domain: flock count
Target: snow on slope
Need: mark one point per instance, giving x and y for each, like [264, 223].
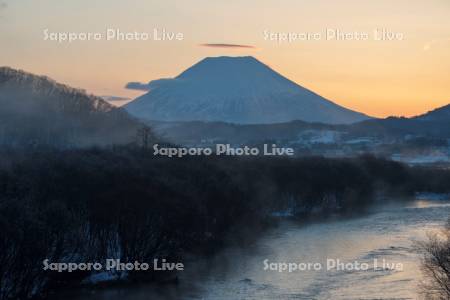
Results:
[236, 90]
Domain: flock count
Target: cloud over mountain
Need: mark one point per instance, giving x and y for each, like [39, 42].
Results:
[111, 98]
[135, 85]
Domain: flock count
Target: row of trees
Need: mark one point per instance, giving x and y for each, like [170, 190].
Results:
[122, 202]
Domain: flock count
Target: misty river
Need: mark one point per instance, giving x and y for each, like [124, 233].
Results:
[388, 234]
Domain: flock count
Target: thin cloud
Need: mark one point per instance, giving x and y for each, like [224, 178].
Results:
[227, 46]
[114, 98]
[137, 86]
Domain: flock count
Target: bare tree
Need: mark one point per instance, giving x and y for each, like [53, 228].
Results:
[145, 137]
[436, 265]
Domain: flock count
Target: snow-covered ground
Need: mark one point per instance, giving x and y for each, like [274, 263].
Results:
[432, 196]
[319, 137]
[431, 158]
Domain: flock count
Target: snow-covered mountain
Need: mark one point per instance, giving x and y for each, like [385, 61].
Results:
[236, 90]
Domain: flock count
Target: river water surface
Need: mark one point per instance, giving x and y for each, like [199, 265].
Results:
[388, 234]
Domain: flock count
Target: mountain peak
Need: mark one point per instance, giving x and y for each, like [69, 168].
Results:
[229, 60]
[238, 90]
[226, 58]
[230, 66]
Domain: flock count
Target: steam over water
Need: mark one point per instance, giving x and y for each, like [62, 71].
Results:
[388, 233]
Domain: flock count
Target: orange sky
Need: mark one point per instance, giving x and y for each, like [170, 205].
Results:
[405, 76]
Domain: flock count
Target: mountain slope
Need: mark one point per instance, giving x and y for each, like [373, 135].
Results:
[38, 110]
[236, 90]
[434, 126]
[441, 114]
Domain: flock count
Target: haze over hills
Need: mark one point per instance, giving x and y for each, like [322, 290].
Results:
[435, 124]
[238, 90]
[421, 139]
[38, 110]
[35, 110]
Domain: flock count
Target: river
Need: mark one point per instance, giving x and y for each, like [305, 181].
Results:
[388, 233]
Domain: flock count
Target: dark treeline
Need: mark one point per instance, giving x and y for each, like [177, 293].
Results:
[89, 205]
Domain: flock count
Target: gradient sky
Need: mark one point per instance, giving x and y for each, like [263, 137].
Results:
[380, 78]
